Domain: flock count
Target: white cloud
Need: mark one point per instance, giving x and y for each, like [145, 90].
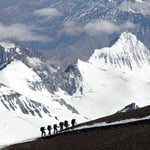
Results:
[96, 27]
[127, 25]
[53, 12]
[20, 32]
[102, 26]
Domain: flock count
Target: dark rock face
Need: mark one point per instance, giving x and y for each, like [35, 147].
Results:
[2, 57]
[69, 81]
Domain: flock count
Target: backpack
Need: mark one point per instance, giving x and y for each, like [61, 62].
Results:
[61, 124]
[66, 123]
[49, 127]
[42, 129]
[73, 121]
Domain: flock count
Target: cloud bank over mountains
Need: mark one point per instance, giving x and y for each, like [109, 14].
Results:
[102, 26]
[96, 27]
[20, 32]
[25, 33]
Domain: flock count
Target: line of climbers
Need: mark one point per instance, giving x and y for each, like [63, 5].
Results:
[55, 127]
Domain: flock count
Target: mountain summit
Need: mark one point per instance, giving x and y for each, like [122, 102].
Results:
[128, 53]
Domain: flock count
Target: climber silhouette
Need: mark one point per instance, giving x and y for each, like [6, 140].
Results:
[73, 122]
[55, 128]
[49, 129]
[42, 129]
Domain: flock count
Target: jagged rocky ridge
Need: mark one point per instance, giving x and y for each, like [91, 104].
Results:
[67, 80]
[43, 78]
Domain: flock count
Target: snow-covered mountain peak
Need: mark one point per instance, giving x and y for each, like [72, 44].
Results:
[127, 36]
[127, 53]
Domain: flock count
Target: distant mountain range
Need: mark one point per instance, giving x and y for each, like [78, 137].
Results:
[72, 29]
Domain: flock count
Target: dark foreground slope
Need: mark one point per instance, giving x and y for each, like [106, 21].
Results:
[129, 136]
